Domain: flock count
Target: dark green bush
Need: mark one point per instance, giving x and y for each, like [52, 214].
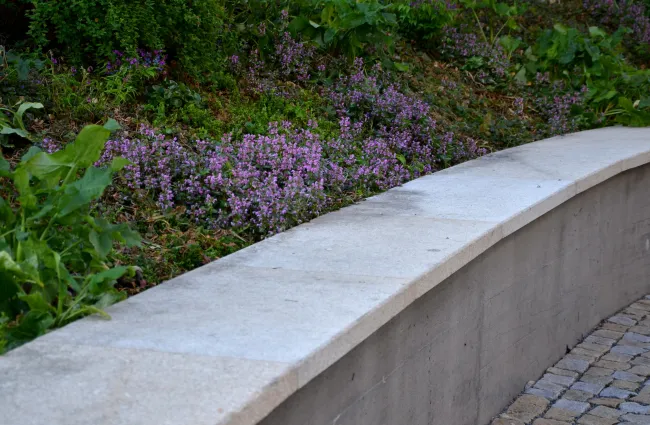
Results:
[90, 30]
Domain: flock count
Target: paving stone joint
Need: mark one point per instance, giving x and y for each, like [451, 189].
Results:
[604, 380]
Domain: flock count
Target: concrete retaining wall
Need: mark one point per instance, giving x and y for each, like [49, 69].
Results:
[432, 303]
[461, 352]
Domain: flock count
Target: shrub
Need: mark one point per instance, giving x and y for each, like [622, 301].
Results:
[613, 14]
[348, 26]
[614, 88]
[54, 263]
[92, 30]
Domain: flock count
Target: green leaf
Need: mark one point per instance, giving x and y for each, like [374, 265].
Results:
[21, 181]
[18, 117]
[8, 264]
[626, 104]
[32, 325]
[89, 144]
[112, 125]
[7, 216]
[403, 66]
[118, 163]
[329, 36]
[9, 130]
[47, 167]
[128, 236]
[521, 76]
[36, 301]
[560, 28]
[102, 242]
[83, 191]
[31, 152]
[97, 282]
[298, 24]
[5, 167]
[597, 32]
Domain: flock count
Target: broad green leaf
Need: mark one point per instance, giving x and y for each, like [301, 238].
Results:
[17, 131]
[8, 264]
[625, 103]
[5, 167]
[298, 24]
[403, 66]
[51, 168]
[86, 148]
[32, 325]
[7, 216]
[560, 28]
[98, 282]
[21, 181]
[36, 301]
[109, 298]
[83, 191]
[31, 152]
[521, 75]
[118, 163]
[130, 237]
[18, 117]
[102, 242]
[391, 18]
[329, 36]
[597, 32]
[112, 125]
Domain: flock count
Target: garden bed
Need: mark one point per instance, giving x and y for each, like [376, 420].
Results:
[242, 120]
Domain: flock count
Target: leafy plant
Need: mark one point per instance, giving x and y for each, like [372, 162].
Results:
[349, 26]
[54, 263]
[493, 17]
[18, 65]
[423, 20]
[11, 122]
[173, 95]
[88, 31]
[595, 61]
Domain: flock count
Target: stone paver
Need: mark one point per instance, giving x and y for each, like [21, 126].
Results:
[595, 420]
[603, 380]
[527, 407]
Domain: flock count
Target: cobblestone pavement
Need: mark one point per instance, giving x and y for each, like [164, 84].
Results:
[604, 380]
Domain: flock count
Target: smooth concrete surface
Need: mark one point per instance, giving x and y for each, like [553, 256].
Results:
[461, 352]
[368, 287]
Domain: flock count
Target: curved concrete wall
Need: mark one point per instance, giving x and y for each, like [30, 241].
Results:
[461, 352]
[431, 303]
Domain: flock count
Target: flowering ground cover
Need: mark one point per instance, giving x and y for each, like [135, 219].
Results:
[230, 121]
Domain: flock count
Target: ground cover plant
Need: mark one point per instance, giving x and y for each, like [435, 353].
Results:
[229, 121]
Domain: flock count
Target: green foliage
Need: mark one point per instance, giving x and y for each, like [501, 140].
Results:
[90, 30]
[173, 95]
[14, 65]
[615, 88]
[54, 263]
[348, 26]
[90, 96]
[172, 103]
[424, 21]
[12, 123]
[492, 17]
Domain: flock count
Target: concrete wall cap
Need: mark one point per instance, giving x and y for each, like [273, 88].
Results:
[228, 342]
